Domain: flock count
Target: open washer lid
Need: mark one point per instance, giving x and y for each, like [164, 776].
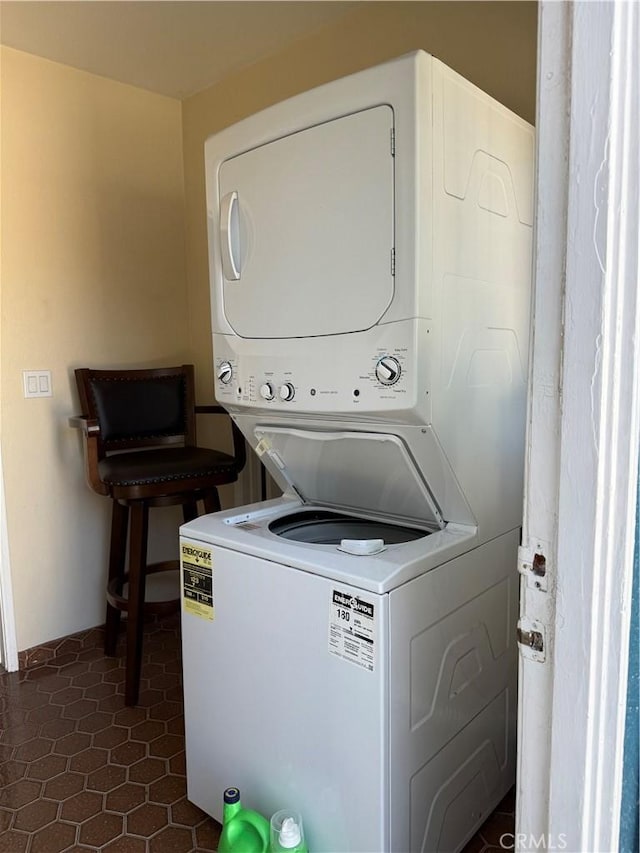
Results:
[362, 471]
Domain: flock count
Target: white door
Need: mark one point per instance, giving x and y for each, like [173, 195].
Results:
[307, 230]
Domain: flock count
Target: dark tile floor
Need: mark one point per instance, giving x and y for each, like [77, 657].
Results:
[497, 833]
[80, 771]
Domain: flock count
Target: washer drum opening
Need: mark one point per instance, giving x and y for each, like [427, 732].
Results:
[323, 527]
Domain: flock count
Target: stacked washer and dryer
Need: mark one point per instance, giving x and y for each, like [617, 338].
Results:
[350, 648]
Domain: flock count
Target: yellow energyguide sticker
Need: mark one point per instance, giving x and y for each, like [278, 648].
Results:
[196, 568]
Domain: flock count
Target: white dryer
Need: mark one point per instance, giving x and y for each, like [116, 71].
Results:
[349, 649]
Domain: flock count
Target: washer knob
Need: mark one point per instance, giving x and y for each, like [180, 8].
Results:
[287, 391]
[225, 372]
[388, 370]
[266, 391]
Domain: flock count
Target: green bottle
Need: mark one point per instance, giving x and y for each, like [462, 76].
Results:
[243, 830]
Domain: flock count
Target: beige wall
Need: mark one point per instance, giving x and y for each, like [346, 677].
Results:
[92, 274]
[492, 44]
[93, 264]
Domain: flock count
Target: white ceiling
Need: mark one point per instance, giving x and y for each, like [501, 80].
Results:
[173, 48]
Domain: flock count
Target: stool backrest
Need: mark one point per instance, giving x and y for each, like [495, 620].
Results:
[140, 408]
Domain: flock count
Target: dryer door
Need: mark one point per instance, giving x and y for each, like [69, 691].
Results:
[306, 230]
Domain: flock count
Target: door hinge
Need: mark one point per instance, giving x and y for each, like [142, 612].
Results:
[393, 262]
[531, 639]
[393, 142]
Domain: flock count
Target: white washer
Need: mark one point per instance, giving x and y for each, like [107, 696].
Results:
[375, 694]
[350, 649]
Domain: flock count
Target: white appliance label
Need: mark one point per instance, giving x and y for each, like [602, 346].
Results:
[196, 563]
[352, 629]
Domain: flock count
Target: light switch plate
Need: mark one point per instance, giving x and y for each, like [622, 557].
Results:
[37, 383]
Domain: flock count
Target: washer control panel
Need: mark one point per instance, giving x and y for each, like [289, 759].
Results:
[377, 370]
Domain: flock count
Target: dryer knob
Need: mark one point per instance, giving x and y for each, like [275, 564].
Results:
[388, 370]
[225, 372]
[266, 391]
[287, 391]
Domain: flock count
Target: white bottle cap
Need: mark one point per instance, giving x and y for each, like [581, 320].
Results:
[289, 833]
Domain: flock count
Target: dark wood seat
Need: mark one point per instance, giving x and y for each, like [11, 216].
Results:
[139, 429]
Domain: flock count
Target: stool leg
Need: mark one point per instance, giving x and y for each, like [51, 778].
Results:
[135, 610]
[117, 557]
[189, 511]
[212, 501]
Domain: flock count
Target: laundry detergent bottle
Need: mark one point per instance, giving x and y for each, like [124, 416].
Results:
[243, 830]
[287, 834]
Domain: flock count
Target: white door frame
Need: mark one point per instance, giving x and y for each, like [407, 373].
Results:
[584, 428]
[8, 641]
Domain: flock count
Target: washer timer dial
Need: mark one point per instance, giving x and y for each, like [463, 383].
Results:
[388, 370]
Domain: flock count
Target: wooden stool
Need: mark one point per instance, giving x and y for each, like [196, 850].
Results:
[140, 450]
